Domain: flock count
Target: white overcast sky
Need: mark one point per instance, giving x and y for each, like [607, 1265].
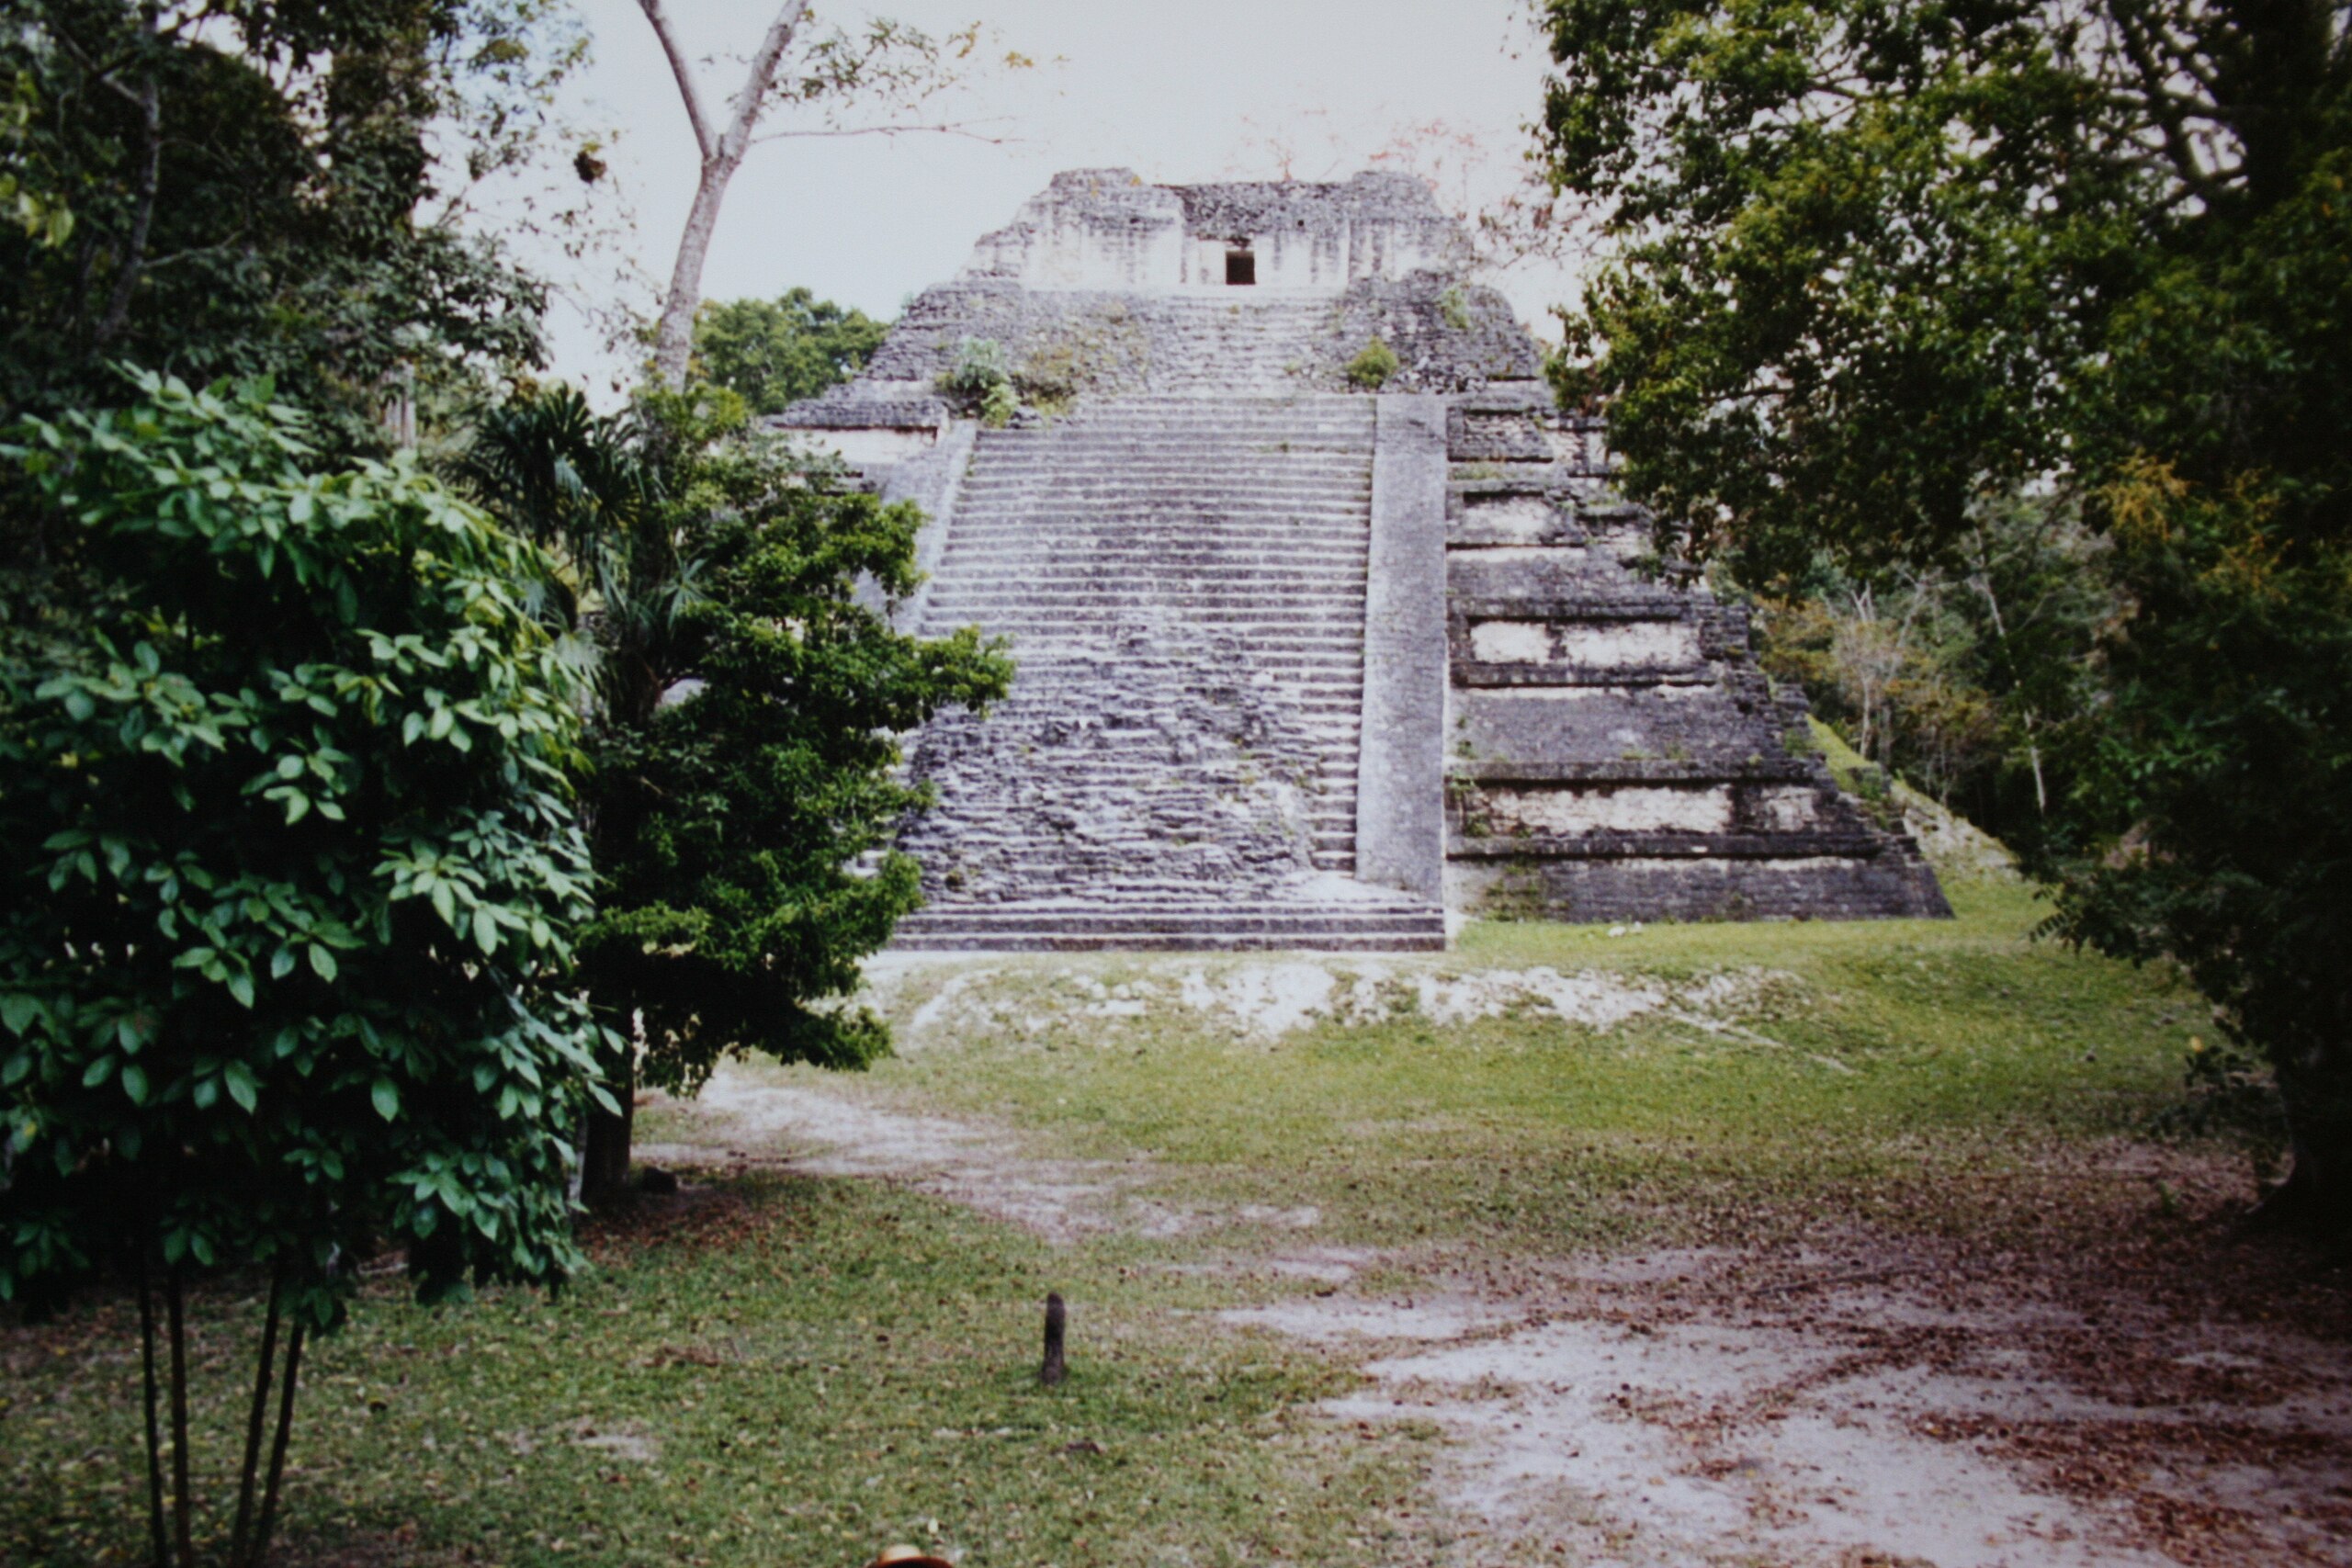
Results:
[1178, 90]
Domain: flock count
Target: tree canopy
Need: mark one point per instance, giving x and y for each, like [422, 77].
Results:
[230, 189]
[1876, 267]
[772, 352]
[743, 748]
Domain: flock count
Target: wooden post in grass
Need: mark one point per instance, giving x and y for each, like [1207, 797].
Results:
[1053, 1371]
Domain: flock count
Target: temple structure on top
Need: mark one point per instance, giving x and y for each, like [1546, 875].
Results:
[1328, 624]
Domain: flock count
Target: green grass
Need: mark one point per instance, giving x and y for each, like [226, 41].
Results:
[1874, 1062]
[806, 1373]
[799, 1372]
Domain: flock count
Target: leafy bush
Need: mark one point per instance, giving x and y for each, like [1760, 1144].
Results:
[980, 382]
[750, 688]
[1372, 369]
[288, 879]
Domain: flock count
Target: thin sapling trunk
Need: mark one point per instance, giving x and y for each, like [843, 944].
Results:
[256, 1419]
[277, 1446]
[183, 1515]
[154, 1433]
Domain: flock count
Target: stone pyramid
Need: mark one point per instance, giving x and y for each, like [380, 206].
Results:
[1328, 624]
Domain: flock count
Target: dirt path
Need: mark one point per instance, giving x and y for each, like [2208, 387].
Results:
[987, 1169]
[1855, 1404]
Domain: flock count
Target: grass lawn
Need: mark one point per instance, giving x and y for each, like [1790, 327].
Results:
[775, 1369]
[1921, 1074]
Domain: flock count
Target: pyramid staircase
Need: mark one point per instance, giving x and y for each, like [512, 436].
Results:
[1616, 753]
[1182, 580]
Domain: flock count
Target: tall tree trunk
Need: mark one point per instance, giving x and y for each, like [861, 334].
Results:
[722, 153]
[603, 1163]
[147, 1389]
[2316, 1085]
[182, 1506]
[142, 214]
[674, 340]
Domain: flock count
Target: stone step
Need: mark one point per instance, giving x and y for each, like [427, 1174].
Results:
[1112, 496]
[1111, 912]
[1177, 463]
[1151, 532]
[1321, 609]
[1199, 493]
[1109, 916]
[980, 570]
[1307, 605]
[1307, 503]
[1013, 940]
[1074, 644]
[1243, 419]
[1104, 425]
[1182, 469]
[1158, 533]
[1250, 412]
[1164, 448]
[1235, 471]
[1225, 518]
[1031, 550]
[1304, 627]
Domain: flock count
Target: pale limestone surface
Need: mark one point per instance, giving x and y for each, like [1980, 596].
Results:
[1306, 663]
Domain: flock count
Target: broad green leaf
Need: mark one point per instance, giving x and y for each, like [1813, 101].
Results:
[387, 1098]
[243, 1087]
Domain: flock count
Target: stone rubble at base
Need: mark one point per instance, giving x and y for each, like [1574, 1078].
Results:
[1303, 664]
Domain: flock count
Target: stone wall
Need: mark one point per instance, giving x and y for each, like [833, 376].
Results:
[1106, 230]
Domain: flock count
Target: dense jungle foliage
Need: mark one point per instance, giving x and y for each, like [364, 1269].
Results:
[1886, 278]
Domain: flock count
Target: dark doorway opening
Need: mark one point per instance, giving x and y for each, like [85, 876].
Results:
[1241, 266]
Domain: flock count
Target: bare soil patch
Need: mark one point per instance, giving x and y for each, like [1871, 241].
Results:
[1873, 1400]
[985, 1168]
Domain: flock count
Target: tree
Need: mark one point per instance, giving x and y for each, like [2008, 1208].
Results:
[772, 352]
[253, 190]
[743, 750]
[884, 61]
[1880, 266]
[1958, 675]
[289, 876]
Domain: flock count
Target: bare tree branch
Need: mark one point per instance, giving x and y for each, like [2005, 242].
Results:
[967, 128]
[680, 68]
[2161, 103]
[761, 76]
[674, 338]
[142, 214]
